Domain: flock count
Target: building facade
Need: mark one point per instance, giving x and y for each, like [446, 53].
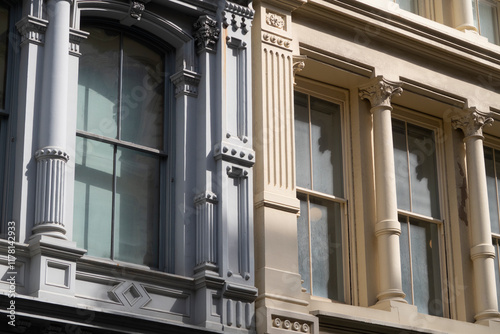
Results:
[126, 143]
[376, 193]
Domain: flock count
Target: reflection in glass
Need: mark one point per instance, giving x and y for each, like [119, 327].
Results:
[401, 165]
[93, 196]
[409, 5]
[302, 145]
[303, 243]
[404, 244]
[490, 160]
[496, 243]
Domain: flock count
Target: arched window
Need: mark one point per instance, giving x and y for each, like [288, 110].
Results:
[120, 147]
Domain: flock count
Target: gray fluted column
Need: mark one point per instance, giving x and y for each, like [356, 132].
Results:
[387, 227]
[482, 252]
[51, 156]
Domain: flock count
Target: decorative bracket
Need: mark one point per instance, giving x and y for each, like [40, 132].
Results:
[186, 82]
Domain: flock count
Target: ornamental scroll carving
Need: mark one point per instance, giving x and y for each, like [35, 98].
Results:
[275, 20]
[379, 91]
[206, 33]
[471, 121]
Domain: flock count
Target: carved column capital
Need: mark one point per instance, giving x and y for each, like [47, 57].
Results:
[136, 9]
[206, 33]
[379, 91]
[471, 121]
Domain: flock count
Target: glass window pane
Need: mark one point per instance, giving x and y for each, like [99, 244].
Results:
[426, 268]
[401, 164]
[488, 21]
[423, 171]
[98, 79]
[4, 42]
[136, 207]
[409, 5]
[474, 13]
[404, 245]
[302, 147]
[491, 180]
[326, 145]
[93, 196]
[496, 243]
[303, 240]
[142, 95]
[326, 248]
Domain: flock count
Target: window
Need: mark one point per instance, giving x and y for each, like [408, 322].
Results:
[419, 214]
[485, 14]
[320, 188]
[409, 5]
[492, 164]
[120, 148]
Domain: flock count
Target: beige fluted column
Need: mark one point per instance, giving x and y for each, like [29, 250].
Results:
[463, 15]
[387, 227]
[482, 252]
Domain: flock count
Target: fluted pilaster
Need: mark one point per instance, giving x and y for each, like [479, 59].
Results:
[206, 231]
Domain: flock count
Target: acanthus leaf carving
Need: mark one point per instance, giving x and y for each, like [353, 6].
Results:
[471, 121]
[206, 33]
[379, 91]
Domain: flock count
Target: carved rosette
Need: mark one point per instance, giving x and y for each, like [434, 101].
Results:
[294, 326]
[471, 122]
[275, 20]
[379, 91]
[206, 33]
[206, 232]
[50, 182]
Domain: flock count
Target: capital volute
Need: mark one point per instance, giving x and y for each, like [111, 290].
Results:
[471, 121]
[379, 91]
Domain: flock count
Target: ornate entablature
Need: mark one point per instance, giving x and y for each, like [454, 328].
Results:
[206, 33]
[471, 121]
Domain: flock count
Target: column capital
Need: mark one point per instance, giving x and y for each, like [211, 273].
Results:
[206, 33]
[471, 121]
[379, 91]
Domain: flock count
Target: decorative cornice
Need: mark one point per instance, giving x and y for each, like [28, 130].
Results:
[75, 38]
[206, 33]
[379, 91]
[51, 153]
[32, 29]
[238, 17]
[239, 10]
[186, 82]
[471, 121]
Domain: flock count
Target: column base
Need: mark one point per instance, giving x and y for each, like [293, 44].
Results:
[49, 229]
[395, 295]
[484, 318]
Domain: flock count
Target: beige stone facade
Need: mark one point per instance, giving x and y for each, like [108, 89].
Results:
[380, 67]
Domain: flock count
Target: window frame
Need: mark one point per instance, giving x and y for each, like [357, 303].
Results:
[164, 155]
[425, 8]
[340, 97]
[496, 11]
[436, 125]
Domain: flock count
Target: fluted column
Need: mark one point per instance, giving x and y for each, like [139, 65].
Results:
[51, 156]
[482, 252]
[387, 227]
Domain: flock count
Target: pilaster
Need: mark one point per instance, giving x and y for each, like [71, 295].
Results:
[482, 252]
[379, 92]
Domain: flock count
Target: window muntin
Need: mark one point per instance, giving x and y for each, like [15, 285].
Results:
[419, 214]
[321, 225]
[492, 165]
[485, 15]
[120, 141]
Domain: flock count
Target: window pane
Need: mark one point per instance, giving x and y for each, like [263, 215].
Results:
[401, 165]
[426, 268]
[136, 207]
[326, 248]
[409, 5]
[303, 240]
[93, 196]
[491, 180]
[423, 171]
[142, 95]
[98, 80]
[404, 245]
[488, 21]
[4, 41]
[302, 147]
[474, 13]
[326, 145]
